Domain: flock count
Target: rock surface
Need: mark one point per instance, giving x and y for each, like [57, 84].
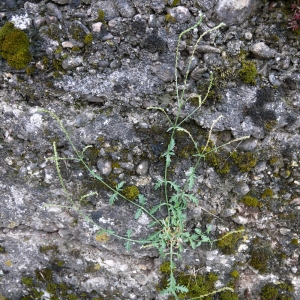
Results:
[98, 65]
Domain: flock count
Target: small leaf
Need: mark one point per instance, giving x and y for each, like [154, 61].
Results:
[127, 246]
[154, 209]
[158, 184]
[182, 288]
[174, 186]
[152, 224]
[120, 186]
[113, 198]
[138, 214]
[192, 198]
[197, 230]
[142, 199]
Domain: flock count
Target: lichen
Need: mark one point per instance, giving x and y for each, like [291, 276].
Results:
[14, 46]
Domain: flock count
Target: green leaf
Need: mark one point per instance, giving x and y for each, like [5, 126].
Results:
[192, 198]
[138, 214]
[120, 186]
[174, 186]
[152, 224]
[155, 208]
[113, 198]
[142, 199]
[199, 231]
[181, 288]
[158, 184]
[191, 178]
[127, 246]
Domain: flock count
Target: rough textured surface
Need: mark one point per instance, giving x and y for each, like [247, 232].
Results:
[98, 65]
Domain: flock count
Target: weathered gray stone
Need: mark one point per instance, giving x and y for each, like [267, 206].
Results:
[72, 62]
[104, 167]
[234, 11]
[143, 168]
[263, 51]
[180, 13]
[125, 8]
[241, 189]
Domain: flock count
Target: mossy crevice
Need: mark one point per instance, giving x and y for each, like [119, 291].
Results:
[14, 46]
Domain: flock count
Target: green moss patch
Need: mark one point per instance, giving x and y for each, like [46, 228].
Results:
[227, 242]
[251, 201]
[14, 46]
[248, 72]
[131, 192]
[281, 291]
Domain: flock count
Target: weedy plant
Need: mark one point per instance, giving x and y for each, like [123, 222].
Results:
[170, 235]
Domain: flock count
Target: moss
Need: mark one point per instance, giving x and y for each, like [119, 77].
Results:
[101, 15]
[27, 281]
[235, 274]
[273, 160]
[131, 192]
[102, 237]
[175, 3]
[245, 161]
[277, 292]
[269, 292]
[30, 70]
[2, 250]
[115, 165]
[251, 201]
[218, 160]
[227, 242]
[259, 259]
[294, 241]
[75, 49]
[170, 19]
[60, 263]
[270, 125]
[288, 287]
[72, 297]
[88, 39]
[47, 248]
[165, 267]
[248, 72]
[44, 275]
[227, 295]
[14, 46]
[268, 193]
[197, 285]
[51, 288]
[92, 154]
